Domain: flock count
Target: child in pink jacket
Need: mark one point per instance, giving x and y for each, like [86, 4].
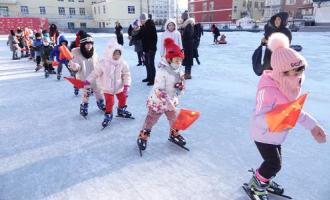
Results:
[115, 79]
[278, 86]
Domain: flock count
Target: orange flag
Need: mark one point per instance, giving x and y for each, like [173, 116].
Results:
[76, 82]
[65, 53]
[185, 119]
[285, 116]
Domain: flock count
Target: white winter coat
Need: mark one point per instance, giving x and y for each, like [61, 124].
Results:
[175, 35]
[82, 65]
[164, 95]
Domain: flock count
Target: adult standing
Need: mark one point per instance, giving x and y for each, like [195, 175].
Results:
[138, 48]
[216, 33]
[277, 23]
[171, 31]
[198, 32]
[187, 33]
[53, 33]
[148, 35]
[13, 44]
[119, 33]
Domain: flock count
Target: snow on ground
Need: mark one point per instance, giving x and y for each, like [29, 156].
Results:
[48, 152]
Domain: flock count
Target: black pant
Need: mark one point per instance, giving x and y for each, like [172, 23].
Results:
[140, 57]
[38, 59]
[272, 159]
[150, 65]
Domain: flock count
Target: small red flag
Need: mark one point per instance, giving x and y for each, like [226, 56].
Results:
[76, 82]
[185, 119]
[285, 116]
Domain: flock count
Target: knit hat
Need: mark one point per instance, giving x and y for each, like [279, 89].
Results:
[172, 49]
[285, 59]
[86, 38]
[136, 23]
[185, 15]
[143, 16]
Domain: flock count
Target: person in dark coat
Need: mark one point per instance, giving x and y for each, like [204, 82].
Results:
[187, 32]
[53, 33]
[134, 40]
[277, 23]
[148, 35]
[119, 33]
[216, 33]
[198, 32]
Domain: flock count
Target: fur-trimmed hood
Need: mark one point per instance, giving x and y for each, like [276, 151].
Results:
[188, 21]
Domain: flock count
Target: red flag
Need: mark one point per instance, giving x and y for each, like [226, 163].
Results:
[285, 116]
[185, 119]
[55, 63]
[65, 52]
[76, 82]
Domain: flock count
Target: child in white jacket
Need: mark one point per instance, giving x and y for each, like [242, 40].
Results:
[115, 79]
[169, 85]
[83, 63]
[171, 31]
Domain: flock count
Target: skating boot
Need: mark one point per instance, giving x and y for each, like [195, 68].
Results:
[122, 112]
[84, 109]
[100, 104]
[107, 120]
[258, 188]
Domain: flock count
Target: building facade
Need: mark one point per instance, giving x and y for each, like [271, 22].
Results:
[211, 11]
[66, 14]
[107, 12]
[322, 12]
[298, 8]
[252, 8]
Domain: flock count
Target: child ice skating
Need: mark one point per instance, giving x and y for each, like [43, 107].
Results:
[114, 77]
[278, 86]
[45, 53]
[169, 84]
[37, 49]
[83, 63]
[62, 61]
[171, 31]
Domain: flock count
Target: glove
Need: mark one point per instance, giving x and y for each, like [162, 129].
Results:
[179, 86]
[319, 134]
[126, 89]
[86, 83]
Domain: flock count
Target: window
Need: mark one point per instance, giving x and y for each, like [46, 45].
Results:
[42, 10]
[104, 10]
[211, 5]
[99, 9]
[70, 25]
[244, 4]
[83, 25]
[24, 10]
[94, 10]
[100, 25]
[81, 1]
[82, 11]
[4, 11]
[235, 8]
[290, 2]
[204, 6]
[71, 0]
[60, 0]
[131, 9]
[256, 5]
[61, 11]
[191, 8]
[72, 11]
[103, 23]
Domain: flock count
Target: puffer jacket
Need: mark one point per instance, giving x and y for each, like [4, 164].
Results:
[164, 95]
[56, 52]
[268, 97]
[112, 75]
[83, 66]
[175, 35]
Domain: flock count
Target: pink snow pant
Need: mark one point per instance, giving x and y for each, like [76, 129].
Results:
[153, 117]
[86, 93]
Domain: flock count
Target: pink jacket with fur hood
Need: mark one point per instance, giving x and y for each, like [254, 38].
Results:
[269, 96]
[112, 75]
